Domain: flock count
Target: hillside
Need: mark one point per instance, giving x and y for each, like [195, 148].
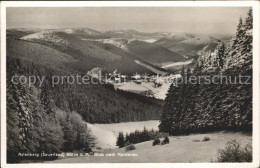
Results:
[82, 30]
[185, 40]
[173, 39]
[37, 53]
[87, 54]
[18, 33]
[129, 34]
[195, 46]
[119, 47]
[152, 53]
[177, 151]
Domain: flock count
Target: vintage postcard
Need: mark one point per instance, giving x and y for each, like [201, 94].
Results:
[161, 84]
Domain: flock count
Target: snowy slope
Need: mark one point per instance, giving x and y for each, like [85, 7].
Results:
[106, 134]
[181, 149]
[84, 30]
[118, 42]
[195, 46]
[172, 39]
[48, 36]
[200, 40]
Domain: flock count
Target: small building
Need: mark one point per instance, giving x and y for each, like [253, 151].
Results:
[138, 81]
[123, 78]
[117, 79]
[136, 77]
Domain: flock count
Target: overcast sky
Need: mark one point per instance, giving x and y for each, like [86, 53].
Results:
[168, 19]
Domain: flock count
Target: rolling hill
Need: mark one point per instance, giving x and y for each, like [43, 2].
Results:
[153, 53]
[82, 30]
[37, 53]
[88, 54]
[18, 33]
[173, 39]
[195, 46]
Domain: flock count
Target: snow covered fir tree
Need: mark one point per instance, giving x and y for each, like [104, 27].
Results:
[204, 107]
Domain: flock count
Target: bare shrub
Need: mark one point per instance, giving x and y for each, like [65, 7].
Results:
[130, 147]
[156, 142]
[233, 152]
[206, 139]
[196, 140]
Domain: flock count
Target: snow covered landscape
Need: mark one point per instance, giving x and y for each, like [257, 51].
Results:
[126, 107]
[181, 149]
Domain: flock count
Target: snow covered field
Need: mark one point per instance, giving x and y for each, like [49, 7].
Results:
[170, 65]
[106, 134]
[151, 68]
[158, 92]
[181, 149]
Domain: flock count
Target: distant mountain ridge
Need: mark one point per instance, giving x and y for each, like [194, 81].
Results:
[189, 45]
[173, 39]
[155, 48]
[89, 54]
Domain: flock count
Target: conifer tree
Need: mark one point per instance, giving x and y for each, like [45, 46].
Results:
[240, 24]
[127, 139]
[70, 135]
[249, 20]
[120, 140]
[46, 101]
[182, 71]
[220, 55]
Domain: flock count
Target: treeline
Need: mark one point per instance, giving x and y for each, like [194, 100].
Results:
[137, 137]
[202, 108]
[215, 104]
[35, 125]
[96, 103]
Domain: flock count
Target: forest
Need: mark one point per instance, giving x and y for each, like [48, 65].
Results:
[193, 108]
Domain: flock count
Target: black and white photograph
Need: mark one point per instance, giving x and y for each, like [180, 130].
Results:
[130, 84]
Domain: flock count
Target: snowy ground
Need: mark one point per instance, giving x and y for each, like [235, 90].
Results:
[173, 64]
[151, 68]
[106, 134]
[181, 149]
[149, 40]
[158, 92]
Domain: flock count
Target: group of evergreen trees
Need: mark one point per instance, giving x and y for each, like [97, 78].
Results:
[136, 137]
[203, 107]
[35, 125]
[96, 103]
[235, 54]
